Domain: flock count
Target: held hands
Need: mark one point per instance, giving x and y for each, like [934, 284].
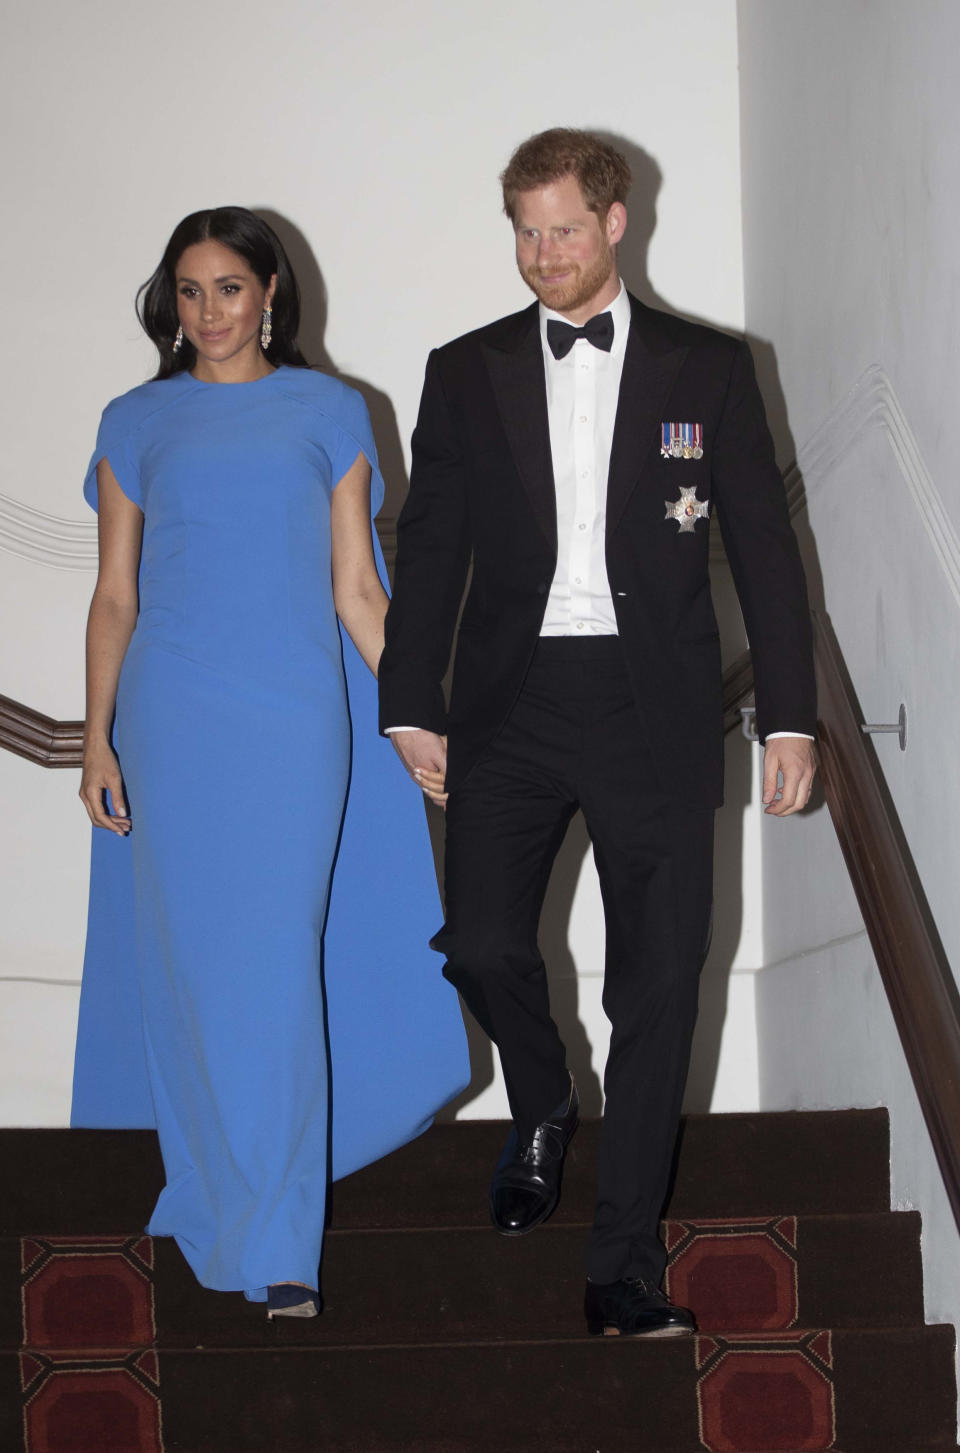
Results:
[101, 773]
[795, 759]
[424, 755]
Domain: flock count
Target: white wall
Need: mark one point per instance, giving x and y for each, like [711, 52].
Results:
[851, 199]
[377, 133]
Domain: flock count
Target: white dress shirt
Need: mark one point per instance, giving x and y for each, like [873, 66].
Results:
[583, 390]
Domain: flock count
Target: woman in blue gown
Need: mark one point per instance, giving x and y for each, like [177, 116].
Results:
[234, 493]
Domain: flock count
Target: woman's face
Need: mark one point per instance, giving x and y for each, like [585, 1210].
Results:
[220, 304]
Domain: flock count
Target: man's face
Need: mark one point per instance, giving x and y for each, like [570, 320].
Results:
[565, 252]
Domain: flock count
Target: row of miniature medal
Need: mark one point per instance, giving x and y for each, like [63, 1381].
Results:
[681, 441]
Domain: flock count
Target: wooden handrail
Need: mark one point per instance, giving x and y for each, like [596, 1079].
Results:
[913, 964]
[39, 738]
[911, 958]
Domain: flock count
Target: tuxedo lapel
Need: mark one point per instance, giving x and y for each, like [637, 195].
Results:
[514, 359]
[650, 366]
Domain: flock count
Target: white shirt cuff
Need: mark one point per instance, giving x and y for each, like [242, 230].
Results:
[806, 736]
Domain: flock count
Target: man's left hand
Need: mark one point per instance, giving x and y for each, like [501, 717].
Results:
[795, 759]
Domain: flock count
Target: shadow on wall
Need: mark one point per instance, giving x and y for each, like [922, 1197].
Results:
[727, 928]
[383, 417]
[632, 258]
[313, 327]
[555, 921]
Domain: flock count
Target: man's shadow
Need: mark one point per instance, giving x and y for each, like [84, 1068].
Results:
[632, 258]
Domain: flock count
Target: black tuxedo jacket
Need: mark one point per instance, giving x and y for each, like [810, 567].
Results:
[482, 490]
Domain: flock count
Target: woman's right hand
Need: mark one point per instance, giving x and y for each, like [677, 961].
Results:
[101, 773]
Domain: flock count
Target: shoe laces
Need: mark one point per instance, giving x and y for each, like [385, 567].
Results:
[547, 1141]
[645, 1288]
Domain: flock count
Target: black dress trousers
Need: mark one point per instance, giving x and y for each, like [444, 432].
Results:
[574, 740]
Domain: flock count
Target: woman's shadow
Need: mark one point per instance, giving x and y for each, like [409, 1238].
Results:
[383, 418]
[313, 327]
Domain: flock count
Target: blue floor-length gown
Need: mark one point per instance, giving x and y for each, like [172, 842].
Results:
[202, 1008]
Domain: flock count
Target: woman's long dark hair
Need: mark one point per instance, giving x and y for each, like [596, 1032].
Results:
[260, 247]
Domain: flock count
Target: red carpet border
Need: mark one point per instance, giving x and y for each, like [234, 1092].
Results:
[90, 1378]
[737, 1275]
[94, 1404]
[756, 1391]
[87, 1292]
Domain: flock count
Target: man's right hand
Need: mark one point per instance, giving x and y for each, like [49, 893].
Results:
[424, 754]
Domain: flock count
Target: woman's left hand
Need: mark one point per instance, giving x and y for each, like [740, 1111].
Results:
[432, 784]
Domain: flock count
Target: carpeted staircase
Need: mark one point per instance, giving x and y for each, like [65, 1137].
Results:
[438, 1336]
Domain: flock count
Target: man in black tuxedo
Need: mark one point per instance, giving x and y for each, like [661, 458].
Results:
[571, 453]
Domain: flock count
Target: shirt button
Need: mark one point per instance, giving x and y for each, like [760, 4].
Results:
[578, 581]
[579, 625]
[581, 527]
[583, 418]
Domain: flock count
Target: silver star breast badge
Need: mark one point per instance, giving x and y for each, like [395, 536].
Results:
[687, 509]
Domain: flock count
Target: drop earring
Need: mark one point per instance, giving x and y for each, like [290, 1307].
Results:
[266, 329]
[178, 341]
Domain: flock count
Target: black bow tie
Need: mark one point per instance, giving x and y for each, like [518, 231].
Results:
[562, 336]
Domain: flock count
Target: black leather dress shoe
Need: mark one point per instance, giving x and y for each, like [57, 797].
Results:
[526, 1182]
[633, 1308]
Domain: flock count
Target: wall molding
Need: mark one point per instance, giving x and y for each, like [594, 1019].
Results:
[872, 402]
[35, 979]
[802, 955]
[44, 539]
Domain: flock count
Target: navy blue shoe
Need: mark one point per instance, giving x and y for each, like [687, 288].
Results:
[286, 1299]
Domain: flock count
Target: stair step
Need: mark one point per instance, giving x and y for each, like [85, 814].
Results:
[75, 1182]
[727, 1165]
[384, 1288]
[441, 1337]
[861, 1391]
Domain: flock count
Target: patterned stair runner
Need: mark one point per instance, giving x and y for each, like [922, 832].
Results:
[439, 1336]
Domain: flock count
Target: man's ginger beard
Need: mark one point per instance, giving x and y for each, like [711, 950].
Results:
[577, 288]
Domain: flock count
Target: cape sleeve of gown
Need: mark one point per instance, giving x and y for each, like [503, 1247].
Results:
[110, 1085]
[117, 438]
[387, 1002]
